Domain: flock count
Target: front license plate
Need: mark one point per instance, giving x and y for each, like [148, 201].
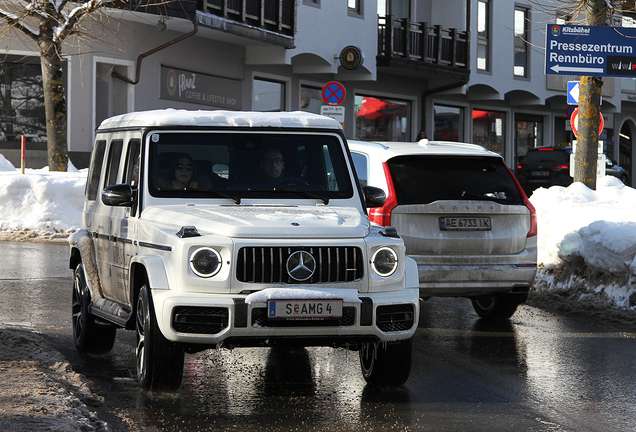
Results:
[540, 173]
[464, 224]
[304, 309]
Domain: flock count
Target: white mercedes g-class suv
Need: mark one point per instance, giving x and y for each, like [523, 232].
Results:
[207, 229]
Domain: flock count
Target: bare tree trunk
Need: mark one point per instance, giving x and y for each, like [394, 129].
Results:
[586, 157]
[54, 105]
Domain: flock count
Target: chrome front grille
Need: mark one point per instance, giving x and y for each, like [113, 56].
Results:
[268, 264]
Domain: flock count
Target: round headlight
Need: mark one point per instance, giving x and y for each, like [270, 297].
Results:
[384, 261]
[205, 262]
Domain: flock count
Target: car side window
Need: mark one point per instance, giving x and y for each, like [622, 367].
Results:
[114, 155]
[97, 161]
[131, 170]
[361, 162]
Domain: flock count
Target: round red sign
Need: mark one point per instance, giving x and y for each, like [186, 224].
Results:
[333, 93]
[574, 120]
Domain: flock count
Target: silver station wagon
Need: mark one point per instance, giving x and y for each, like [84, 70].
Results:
[463, 217]
[206, 229]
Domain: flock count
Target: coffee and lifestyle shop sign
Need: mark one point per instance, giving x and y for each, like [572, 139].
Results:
[193, 87]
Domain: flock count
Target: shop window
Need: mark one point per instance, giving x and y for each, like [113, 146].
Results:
[382, 119]
[521, 42]
[528, 134]
[21, 100]
[310, 99]
[483, 35]
[268, 95]
[488, 130]
[448, 123]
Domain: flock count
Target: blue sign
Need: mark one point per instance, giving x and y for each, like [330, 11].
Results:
[573, 92]
[590, 50]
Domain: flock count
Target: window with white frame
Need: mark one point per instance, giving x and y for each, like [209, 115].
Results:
[483, 35]
[268, 95]
[521, 42]
[354, 6]
[310, 99]
[111, 94]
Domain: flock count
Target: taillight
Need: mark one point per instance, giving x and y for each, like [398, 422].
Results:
[562, 166]
[382, 215]
[529, 206]
[522, 166]
[533, 216]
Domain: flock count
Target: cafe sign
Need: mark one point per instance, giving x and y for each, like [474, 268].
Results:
[194, 87]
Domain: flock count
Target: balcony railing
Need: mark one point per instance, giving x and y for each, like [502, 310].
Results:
[421, 42]
[278, 16]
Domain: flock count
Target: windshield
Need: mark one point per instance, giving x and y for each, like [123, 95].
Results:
[247, 165]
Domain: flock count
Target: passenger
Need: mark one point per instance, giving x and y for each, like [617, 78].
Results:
[179, 175]
[273, 165]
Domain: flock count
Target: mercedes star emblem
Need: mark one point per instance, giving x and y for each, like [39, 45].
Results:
[301, 265]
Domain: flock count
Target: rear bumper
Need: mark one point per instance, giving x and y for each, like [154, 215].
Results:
[471, 276]
[214, 319]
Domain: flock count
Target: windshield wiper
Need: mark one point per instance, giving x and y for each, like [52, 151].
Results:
[216, 193]
[300, 192]
[489, 196]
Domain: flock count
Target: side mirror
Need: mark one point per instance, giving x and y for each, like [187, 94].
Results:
[120, 195]
[373, 196]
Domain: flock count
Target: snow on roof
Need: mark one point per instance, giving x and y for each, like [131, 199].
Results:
[425, 147]
[172, 117]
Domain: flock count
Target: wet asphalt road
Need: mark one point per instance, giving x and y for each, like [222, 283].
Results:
[536, 372]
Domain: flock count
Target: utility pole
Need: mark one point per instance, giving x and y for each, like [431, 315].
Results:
[589, 119]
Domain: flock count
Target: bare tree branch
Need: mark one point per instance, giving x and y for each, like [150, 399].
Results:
[15, 22]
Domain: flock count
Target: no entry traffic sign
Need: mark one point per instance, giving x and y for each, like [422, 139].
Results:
[574, 119]
[333, 93]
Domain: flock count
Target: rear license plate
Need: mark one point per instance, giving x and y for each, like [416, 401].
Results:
[464, 224]
[540, 173]
[304, 309]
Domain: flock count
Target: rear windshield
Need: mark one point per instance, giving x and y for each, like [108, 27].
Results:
[426, 179]
[551, 156]
[247, 165]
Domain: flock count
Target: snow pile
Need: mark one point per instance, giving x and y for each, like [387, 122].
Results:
[587, 248]
[303, 293]
[5, 165]
[595, 227]
[39, 200]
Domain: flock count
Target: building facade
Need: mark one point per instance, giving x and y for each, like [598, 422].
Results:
[465, 70]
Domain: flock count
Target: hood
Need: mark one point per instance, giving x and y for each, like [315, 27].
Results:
[264, 221]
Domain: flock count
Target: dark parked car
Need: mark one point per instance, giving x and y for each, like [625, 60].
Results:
[550, 166]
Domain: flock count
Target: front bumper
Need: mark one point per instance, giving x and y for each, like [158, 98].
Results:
[214, 319]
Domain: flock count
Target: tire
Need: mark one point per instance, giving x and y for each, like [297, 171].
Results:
[89, 335]
[495, 308]
[386, 364]
[159, 361]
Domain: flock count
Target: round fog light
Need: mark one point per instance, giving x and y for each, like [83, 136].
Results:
[205, 262]
[384, 261]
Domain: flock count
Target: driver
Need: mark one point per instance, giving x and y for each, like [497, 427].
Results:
[272, 164]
